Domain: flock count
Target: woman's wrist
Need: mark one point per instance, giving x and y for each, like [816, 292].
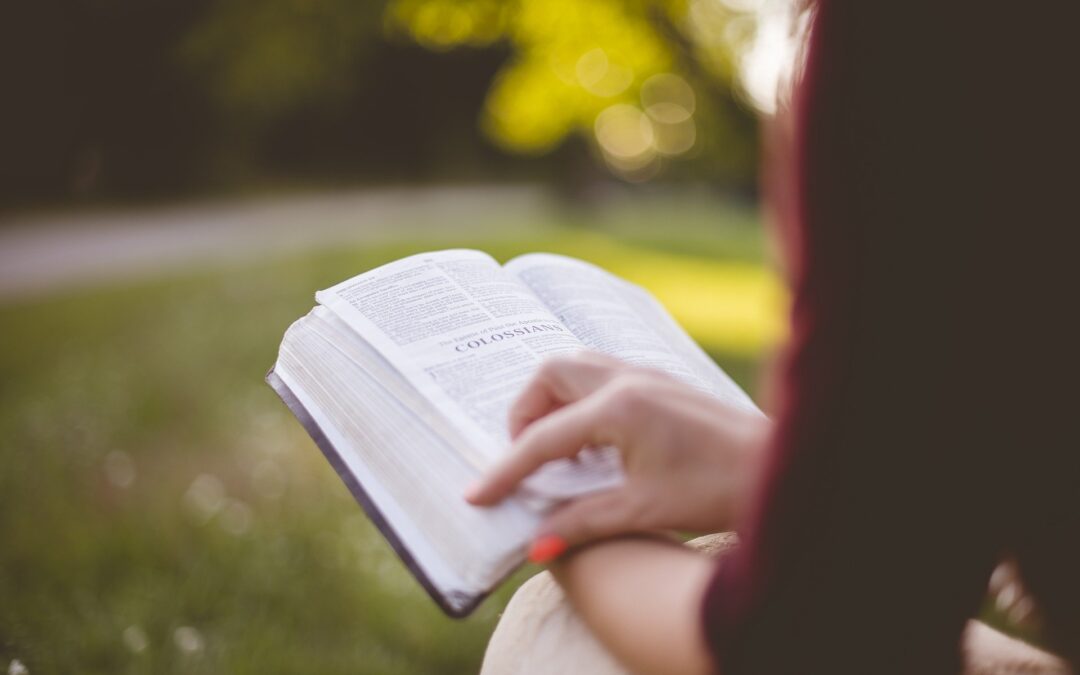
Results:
[751, 467]
[641, 596]
[579, 559]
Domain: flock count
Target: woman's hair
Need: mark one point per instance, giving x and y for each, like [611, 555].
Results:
[925, 426]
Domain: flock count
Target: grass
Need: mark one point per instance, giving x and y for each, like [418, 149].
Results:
[161, 512]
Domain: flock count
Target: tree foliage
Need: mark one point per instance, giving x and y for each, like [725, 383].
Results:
[263, 57]
[644, 81]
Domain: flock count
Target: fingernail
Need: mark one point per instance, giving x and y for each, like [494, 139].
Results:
[472, 491]
[546, 548]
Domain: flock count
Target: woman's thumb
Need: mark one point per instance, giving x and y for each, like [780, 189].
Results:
[582, 520]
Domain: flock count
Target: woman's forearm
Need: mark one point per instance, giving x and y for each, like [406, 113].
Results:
[642, 599]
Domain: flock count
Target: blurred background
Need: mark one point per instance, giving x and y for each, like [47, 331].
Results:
[177, 178]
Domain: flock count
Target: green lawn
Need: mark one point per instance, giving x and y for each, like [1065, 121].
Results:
[161, 512]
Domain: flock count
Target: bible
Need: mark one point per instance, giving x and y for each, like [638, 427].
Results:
[404, 375]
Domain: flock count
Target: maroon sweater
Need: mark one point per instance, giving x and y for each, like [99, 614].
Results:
[929, 416]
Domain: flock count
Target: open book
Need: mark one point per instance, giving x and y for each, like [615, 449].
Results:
[404, 376]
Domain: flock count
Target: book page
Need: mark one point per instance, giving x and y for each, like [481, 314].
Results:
[397, 451]
[613, 316]
[463, 332]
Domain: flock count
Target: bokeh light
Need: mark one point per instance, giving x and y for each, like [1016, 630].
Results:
[600, 77]
[668, 98]
[625, 133]
[573, 61]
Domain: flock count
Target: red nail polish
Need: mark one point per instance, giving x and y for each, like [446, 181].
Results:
[546, 548]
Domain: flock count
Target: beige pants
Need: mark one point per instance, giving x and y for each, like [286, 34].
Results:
[539, 634]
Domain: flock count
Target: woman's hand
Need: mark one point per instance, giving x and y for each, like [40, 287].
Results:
[689, 459]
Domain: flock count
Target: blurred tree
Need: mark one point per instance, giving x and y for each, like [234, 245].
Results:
[643, 80]
[264, 58]
[128, 99]
[314, 91]
[92, 100]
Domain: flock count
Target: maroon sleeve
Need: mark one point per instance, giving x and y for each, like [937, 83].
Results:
[926, 347]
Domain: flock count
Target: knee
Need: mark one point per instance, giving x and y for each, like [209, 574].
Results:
[539, 634]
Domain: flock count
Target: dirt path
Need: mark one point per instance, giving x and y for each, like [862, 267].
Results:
[43, 253]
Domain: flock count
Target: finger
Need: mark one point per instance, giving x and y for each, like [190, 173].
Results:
[560, 380]
[598, 516]
[561, 434]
